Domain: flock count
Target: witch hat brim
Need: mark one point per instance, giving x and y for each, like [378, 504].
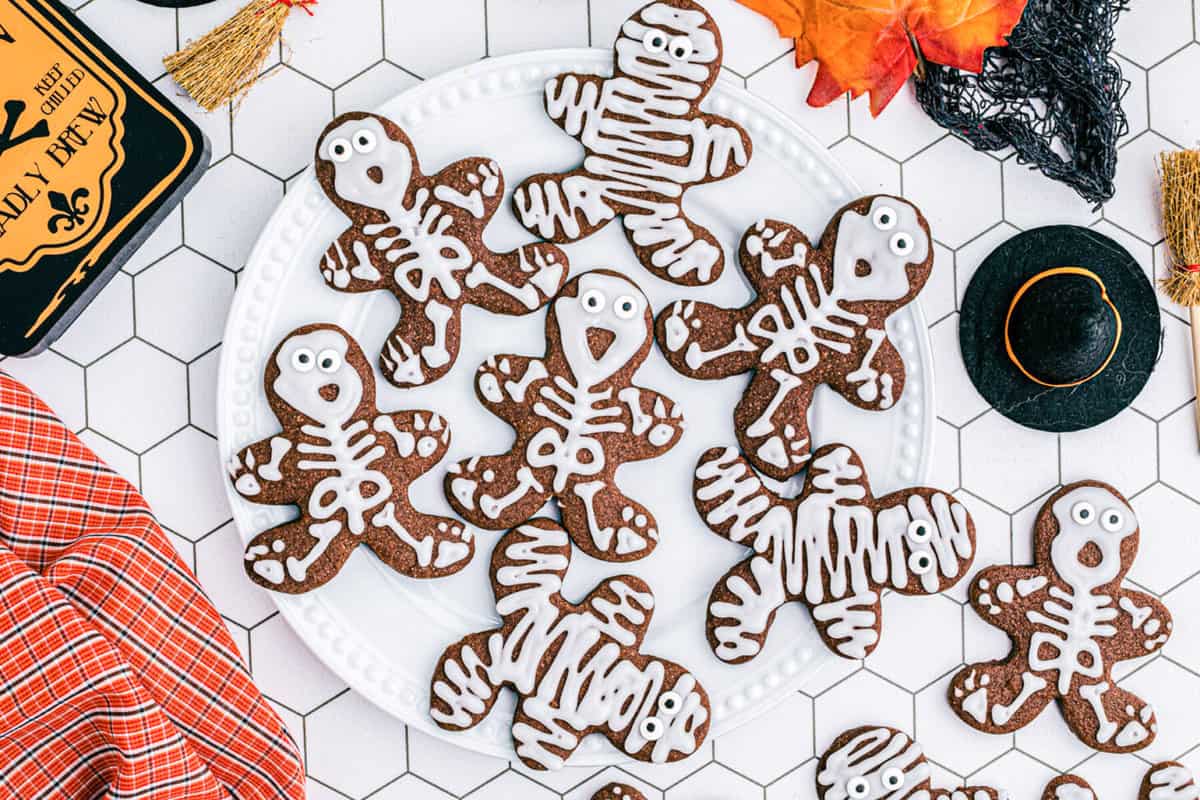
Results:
[986, 306]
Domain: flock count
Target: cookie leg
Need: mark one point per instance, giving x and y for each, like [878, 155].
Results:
[462, 691]
[669, 244]
[1079, 789]
[562, 207]
[419, 545]
[606, 524]
[423, 345]
[298, 556]
[742, 607]
[495, 492]
[772, 423]
[851, 625]
[999, 697]
[1106, 717]
[544, 743]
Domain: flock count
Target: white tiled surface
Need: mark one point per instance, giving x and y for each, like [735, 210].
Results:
[136, 375]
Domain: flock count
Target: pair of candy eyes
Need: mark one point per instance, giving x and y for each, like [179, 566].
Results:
[920, 531]
[625, 306]
[884, 218]
[340, 150]
[1084, 513]
[652, 728]
[679, 48]
[327, 360]
[859, 787]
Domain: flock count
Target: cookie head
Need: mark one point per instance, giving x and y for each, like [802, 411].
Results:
[365, 161]
[934, 550]
[872, 764]
[317, 371]
[673, 43]
[604, 323]
[882, 251]
[1097, 536]
[673, 717]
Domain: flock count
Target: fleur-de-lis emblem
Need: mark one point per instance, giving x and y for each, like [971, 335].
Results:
[71, 212]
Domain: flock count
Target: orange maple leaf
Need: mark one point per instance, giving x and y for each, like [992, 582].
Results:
[871, 45]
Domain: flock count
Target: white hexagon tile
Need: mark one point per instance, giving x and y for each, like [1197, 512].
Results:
[136, 376]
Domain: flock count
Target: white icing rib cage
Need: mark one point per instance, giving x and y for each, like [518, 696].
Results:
[281, 288]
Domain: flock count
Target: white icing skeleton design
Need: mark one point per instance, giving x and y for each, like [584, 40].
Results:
[818, 318]
[645, 141]
[834, 548]
[578, 416]
[577, 669]
[881, 763]
[1166, 780]
[421, 238]
[347, 466]
[1071, 621]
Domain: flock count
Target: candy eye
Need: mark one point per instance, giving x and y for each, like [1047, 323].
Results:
[364, 141]
[901, 244]
[858, 788]
[654, 41]
[669, 703]
[328, 361]
[920, 531]
[1083, 513]
[626, 307]
[893, 778]
[681, 48]
[1112, 520]
[884, 218]
[651, 729]
[303, 359]
[593, 300]
[920, 563]
[340, 150]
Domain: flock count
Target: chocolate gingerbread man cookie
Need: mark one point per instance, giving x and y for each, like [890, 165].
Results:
[880, 763]
[577, 668]
[1166, 780]
[618, 791]
[645, 142]
[1071, 621]
[834, 548]
[818, 318]
[420, 237]
[578, 416]
[347, 466]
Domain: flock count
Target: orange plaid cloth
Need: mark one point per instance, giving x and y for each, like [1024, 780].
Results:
[117, 677]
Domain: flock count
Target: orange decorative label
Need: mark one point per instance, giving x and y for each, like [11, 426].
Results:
[61, 143]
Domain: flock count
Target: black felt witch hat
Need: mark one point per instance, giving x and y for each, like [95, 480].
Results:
[1060, 328]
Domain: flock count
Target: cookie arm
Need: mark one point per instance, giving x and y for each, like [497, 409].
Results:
[516, 282]
[347, 265]
[573, 101]
[1143, 623]
[877, 380]
[701, 340]
[733, 502]
[774, 252]
[258, 471]
[462, 691]
[1080, 788]
[420, 437]
[1001, 595]
[472, 185]
[507, 385]
[653, 422]
[623, 604]
[724, 146]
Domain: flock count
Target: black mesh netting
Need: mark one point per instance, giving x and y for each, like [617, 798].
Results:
[1053, 94]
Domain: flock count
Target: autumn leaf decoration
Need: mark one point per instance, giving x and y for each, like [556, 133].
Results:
[875, 45]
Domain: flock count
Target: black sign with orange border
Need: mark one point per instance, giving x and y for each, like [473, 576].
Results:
[92, 157]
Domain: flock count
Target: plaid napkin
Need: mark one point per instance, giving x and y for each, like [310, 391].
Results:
[117, 677]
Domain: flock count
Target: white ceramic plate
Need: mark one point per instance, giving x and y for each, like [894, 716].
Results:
[383, 633]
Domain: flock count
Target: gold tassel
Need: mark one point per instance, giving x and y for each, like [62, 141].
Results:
[223, 64]
[1179, 173]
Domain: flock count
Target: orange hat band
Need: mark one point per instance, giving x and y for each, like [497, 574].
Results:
[1012, 356]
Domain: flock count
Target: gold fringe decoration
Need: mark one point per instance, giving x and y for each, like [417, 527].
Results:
[1179, 173]
[223, 64]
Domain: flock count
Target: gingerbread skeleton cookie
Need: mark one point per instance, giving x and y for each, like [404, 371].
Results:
[879, 763]
[348, 467]
[1166, 780]
[834, 548]
[420, 237]
[1071, 621]
[645, 142]
[577, 668]
[818, 318]
[578, 416]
